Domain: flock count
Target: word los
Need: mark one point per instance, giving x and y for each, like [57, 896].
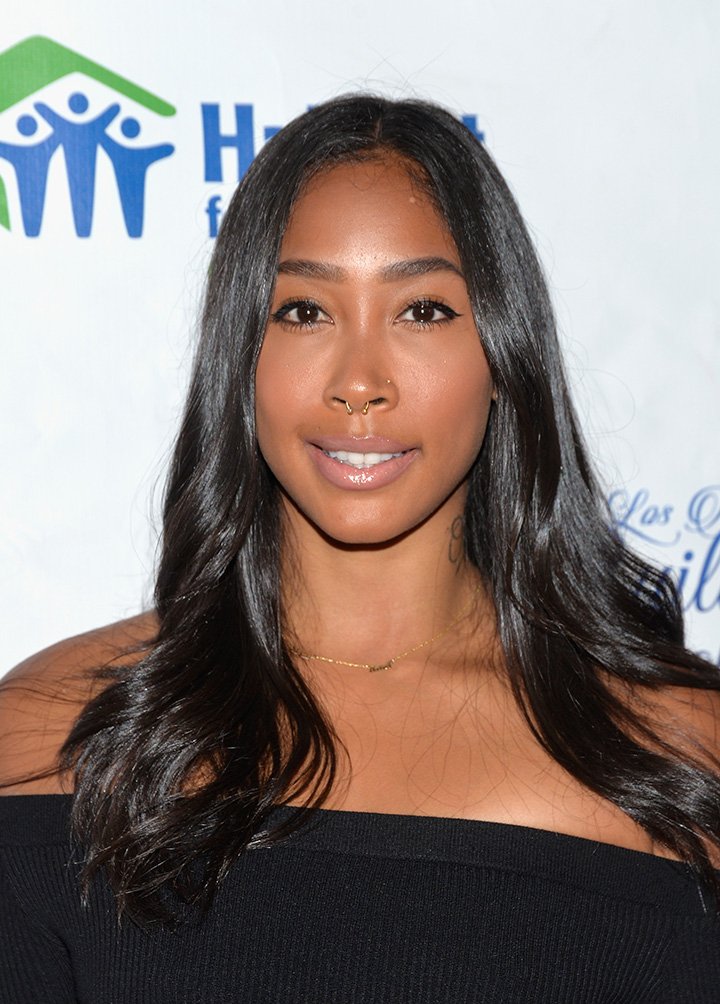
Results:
[683, 541]
[692, 536]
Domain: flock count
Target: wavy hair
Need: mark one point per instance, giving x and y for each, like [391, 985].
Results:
[180, 760]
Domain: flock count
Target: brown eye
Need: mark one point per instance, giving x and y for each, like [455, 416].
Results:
[424, 313]
[300, 314]
[305, 313]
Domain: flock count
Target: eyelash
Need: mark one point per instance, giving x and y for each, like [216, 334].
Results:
[448, 312]
[280, 315]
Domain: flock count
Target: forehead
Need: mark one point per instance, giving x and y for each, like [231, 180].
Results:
[376, 207]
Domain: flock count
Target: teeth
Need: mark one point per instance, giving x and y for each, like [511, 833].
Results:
[360, 460]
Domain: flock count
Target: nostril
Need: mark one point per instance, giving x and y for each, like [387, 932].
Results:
[363, 408]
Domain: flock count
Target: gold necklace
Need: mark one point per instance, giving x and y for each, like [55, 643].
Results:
[377, 667]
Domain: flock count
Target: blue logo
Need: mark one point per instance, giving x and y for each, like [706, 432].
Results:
[77, 130]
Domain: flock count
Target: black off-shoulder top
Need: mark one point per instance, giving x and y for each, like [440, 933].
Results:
[361, 908]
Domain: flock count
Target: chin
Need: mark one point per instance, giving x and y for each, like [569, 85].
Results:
[367, 532]
[362, 537]
[363, 522]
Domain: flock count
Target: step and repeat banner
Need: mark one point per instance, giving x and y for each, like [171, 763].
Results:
[123, 131]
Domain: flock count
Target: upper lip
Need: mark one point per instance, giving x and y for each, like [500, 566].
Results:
[359, 444]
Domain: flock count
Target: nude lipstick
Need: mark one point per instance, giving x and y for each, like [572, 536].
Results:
[360, 463]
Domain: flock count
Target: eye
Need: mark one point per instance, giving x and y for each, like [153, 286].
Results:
[424, 313]
[299, 314]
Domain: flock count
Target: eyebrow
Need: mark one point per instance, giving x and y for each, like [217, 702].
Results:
[406, 269]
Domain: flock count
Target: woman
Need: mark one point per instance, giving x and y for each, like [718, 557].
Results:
[388, 589]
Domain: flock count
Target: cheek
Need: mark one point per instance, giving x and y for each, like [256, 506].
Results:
[288, 376]
[456, 397]
[269, 391]
[286, 393]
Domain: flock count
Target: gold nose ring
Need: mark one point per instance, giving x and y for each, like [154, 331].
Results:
[363, 411]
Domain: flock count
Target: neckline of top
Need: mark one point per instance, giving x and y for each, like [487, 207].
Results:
[590, 867]
[350, 819]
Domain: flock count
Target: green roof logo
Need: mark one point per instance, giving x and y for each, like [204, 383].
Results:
[27, 68]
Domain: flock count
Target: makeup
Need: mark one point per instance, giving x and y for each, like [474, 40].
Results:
[361, 464]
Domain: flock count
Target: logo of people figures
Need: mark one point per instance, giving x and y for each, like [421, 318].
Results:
[77, 130]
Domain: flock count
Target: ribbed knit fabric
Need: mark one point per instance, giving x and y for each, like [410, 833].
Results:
[359, 908]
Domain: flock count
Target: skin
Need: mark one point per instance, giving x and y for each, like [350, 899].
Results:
[428, 377]
[371, 573]
[431, 389]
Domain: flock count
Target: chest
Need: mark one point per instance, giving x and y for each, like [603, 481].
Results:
[439, 749]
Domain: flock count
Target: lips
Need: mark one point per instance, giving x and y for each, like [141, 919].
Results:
[360, 444]
[361, 463]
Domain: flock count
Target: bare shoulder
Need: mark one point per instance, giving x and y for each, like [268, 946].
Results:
[686, 718]
[41, 698]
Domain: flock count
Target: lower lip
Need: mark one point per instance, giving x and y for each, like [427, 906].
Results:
[365, 479]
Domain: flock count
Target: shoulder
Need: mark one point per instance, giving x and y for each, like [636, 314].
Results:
[684, 722]
[42, 697]
[687, 719]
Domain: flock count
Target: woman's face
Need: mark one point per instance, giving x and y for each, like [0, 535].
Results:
[372, 388]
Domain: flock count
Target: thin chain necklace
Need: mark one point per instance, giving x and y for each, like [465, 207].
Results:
[377, 667]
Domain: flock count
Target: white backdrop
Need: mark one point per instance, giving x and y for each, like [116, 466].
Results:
[602, 116]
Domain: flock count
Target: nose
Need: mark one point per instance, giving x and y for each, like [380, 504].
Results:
[361, 380]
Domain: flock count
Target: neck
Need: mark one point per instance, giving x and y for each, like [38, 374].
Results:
[368, 604]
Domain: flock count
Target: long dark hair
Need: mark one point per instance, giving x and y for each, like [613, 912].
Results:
[180, 760]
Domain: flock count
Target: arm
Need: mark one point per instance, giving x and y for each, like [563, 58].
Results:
[692, 973]
[41, 698]
[34, 964]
